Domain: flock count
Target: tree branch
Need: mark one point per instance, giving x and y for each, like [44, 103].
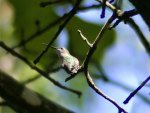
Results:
[25, 100]
[71, 14]
[132, 24]
[121, 15]
[44, 4]
[143, 8]
[45, 74]
[31, 79]
[141, 36]
[38, 76]
[136, 90]
[97, 90]
[88, 58]
[50, 25]
[103, 8]
[41, 31]
[96, 41]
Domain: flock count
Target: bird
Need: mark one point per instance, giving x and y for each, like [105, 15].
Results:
[69, 63]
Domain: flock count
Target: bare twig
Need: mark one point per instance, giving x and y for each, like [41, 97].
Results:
[118, 84]
[88, 58]
[38, 76]
[84, 38]
[73, 75]
[83, 8]
[44, 4]
[132, 24]
[50, 25]
[124, 16]
[24, 100]
[97, 90]
[121, 15]
[96, 41]
[111, 1]
[71, 14]
[103, 8]
[34, 35]
[136, 90]
[141, 96]
[45, 74]
[142, 38]
[31, 79]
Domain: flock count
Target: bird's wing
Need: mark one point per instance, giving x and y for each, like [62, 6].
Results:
[75, 65]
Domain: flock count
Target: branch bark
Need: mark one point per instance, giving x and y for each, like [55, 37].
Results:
[43, 73]
[24, 100]
[143, 7]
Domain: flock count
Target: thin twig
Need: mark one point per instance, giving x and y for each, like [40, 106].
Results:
[121, 15]
[132, 24]
[103, 8]
[84, 38]
[97, 90]
[31, 79]
[71, 14]
[49, 26]
[96, 41]
[44, 4]
[34, 35]
[141, 96]
[38, 76]
[103, 74]
[83, 8]
[136, 90]
[73, 75]
[88, 58]
[45, 74]
[142, 38]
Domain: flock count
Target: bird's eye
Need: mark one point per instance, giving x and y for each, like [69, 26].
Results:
[61, 48]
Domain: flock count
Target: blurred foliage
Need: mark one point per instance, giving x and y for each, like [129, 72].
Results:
[28, 12]
[29, 17]
[20, 19]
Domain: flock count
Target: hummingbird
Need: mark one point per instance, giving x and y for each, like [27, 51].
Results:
[69, 62]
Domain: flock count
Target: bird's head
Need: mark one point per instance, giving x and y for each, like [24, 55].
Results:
[62, 52]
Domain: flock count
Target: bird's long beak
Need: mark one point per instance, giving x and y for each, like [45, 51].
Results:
[54, 47]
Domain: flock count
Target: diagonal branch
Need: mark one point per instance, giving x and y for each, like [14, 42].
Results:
[132, 24]
[50, 25]
[136, 90]
[41, 31]
[96, 41]
[103, 8]
[141, 36]
[121, 15]
[97, 90]
[31, 79]
[45, 74]
[24, 100]
[88, 58]
[44, 4]
[71, 14]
